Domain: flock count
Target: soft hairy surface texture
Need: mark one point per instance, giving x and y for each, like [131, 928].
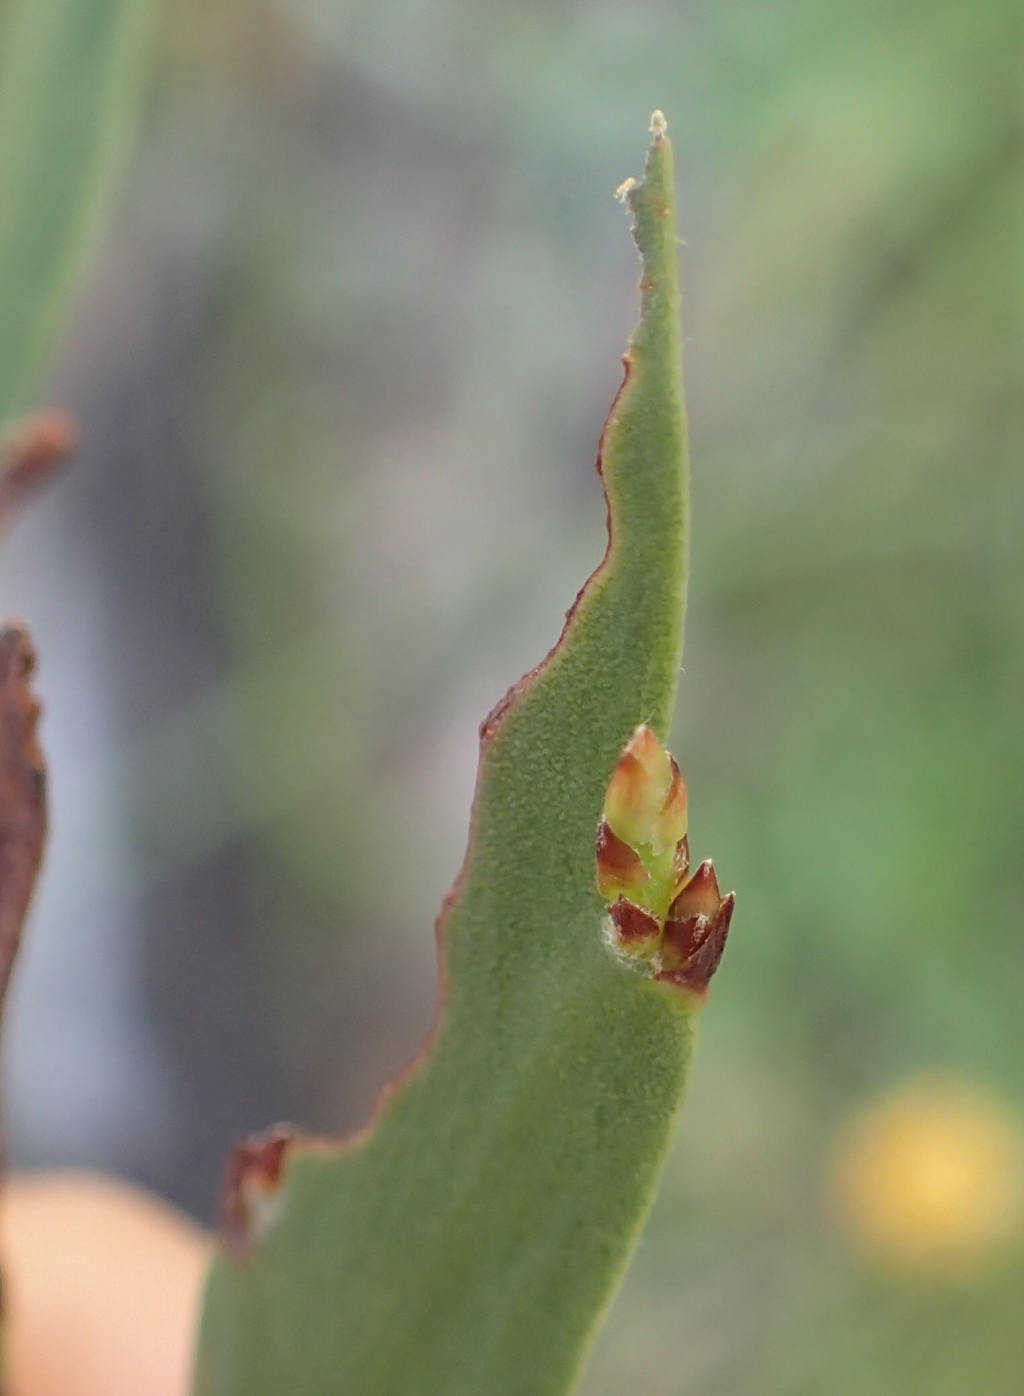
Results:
[471, 1238]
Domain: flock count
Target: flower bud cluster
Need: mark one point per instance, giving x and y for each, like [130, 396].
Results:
[678, 924]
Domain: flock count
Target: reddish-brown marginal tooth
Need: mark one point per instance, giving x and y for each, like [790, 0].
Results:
[667, 975]
[670, 825]
[645, 746]
[706, 958]
[695, 973]
[31, 450]
[699, 896]
[683, 939]
[255, 1168]
[619, 868]
[677, 978]
[635, 927]
[638, 787]
[627, 805]
[702, 964]
[680, 865]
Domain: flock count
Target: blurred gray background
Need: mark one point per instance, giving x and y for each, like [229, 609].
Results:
[342, 364]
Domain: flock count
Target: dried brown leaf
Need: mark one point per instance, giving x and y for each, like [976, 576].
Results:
[22, 791]
[32, 451]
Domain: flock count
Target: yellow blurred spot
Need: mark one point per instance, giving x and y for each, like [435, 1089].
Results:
[931, 1178]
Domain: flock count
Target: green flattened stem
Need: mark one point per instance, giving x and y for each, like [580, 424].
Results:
[675, 926]
[469, 1240]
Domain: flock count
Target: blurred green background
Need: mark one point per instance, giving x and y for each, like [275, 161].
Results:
[342, 367]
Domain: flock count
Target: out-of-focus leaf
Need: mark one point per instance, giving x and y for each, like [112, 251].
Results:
[70, 78]
[469, 1240]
